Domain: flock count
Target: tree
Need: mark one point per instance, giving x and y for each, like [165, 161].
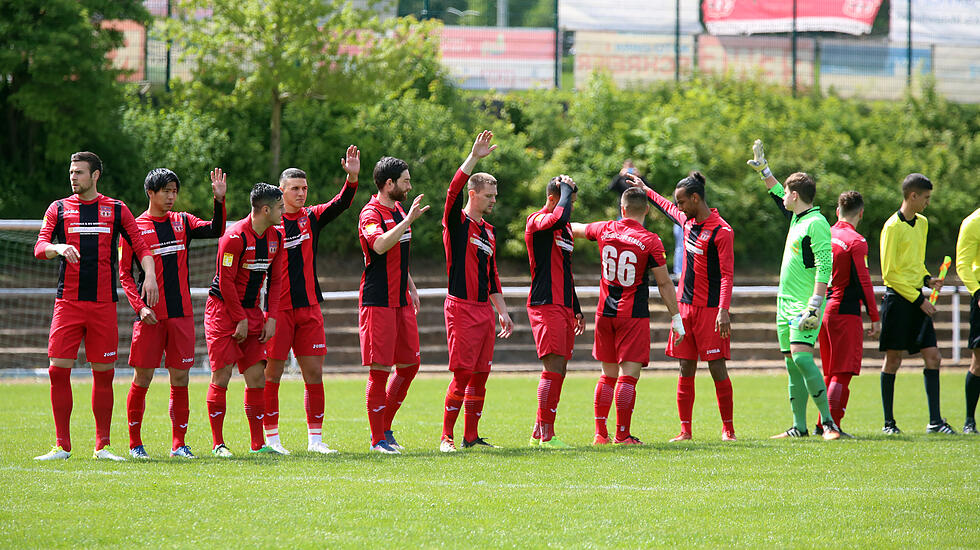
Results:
[277, 51]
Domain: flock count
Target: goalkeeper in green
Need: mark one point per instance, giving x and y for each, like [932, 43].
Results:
[803, 277]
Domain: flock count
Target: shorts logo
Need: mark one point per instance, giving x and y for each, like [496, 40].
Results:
[716, 350]
[187, 360]
[319, 346]
[109, 354]
[105, 211]
[228, 259]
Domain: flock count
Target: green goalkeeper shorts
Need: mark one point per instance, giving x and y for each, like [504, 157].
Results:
[786, 311]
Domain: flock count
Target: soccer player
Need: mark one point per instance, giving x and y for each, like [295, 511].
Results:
[841, 335]
[389, 301]
[552, 306]
[806, 268]
[235, 327]
[474, 284]
[968, 268]
[299, 324]
[84, 229]
[622, 319]
[706, 279]
[168, 328]
[906, 315]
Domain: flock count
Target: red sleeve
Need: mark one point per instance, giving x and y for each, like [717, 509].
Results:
[328, 212]
[454, 201]
[201, 229]
[548, 221]
[369, 225]
[859, 255]
[126, 278]
[276, 273]
[726, 262]
[593, 229]
[131, 232]
[668, 208]
[229, 262]
[657, 255]
[48, 223]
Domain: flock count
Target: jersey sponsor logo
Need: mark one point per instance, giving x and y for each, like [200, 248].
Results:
[228, 259]
[693, 248]
[249, 248]
[257, 265]
[482, 245]
[83, 229]
[564, 243]
[612, 235]
[294, 241]
[69, 212]
[147, 231]
[167, 250]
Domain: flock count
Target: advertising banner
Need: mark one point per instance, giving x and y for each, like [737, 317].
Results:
[746, 57]
[728, 17]
[499, 58]
[629, 58]
[654, 16]
[936, 21]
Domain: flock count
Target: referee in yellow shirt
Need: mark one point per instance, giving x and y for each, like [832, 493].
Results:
[906, 316]
[968, 268]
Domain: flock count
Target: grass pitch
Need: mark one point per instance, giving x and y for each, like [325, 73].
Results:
[875, 491]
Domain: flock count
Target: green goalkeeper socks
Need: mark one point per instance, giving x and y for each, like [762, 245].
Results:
[814, 382]
[797, 394]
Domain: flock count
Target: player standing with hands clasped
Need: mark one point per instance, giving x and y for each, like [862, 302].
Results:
[706, 280]
[474, 284]
[806, 268]
[622, 318]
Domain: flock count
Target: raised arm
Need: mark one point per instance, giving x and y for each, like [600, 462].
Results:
[760, 165]
[667, 207]
[328, 212]
[454, 196]
[201, 229]
[558, 218]
[390, 238]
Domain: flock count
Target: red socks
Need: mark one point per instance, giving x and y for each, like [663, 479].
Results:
[454, 401]
[837, 394]
[61, 404]
[397, 390]
[254, 412]
[135, 406]
[685, 402]
[625, 399]
[216, 413]
[271, 398]
[604, 391]
[313, 403]
[549, 392]
[179, 413]
[473, 399]
[724, 393]
[102, 405]
[376, 403]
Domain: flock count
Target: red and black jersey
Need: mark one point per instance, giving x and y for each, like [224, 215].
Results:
[549, 241]
[850, 282]
[244, 260]
[301, 233]
[385, 279]
[707, 273]
[470, 260]
[169, 238]
[627, 251]
[94, 228]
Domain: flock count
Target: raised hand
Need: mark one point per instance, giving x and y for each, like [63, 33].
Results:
[417, 209]
[482, 147]
[636, 181]
[219, 184]
[758, 162]
[352, 163]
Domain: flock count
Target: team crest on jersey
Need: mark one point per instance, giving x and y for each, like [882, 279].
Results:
[178, 225]
[273, 247]
[105, 211]
[303, 222]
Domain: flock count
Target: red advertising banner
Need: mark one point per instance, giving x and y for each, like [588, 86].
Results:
[728, 17]
[130, 56]
[499, 58]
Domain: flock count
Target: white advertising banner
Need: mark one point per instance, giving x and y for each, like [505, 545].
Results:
[936, 21]
[654, 16]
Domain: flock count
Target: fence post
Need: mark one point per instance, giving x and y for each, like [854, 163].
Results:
[677, 40]
[557, 50]
[908, 47]
[166, 77]
[794, 48]
[956, 325]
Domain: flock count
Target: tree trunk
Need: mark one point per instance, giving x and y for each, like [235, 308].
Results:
[275, 130]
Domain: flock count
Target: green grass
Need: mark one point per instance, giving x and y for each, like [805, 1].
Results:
[906, 491]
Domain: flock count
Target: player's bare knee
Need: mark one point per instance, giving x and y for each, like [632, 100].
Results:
[312, 369]
[932, 358]
[142, 377]
[554, 363]
[718, 369]
[102, 367]
[222, 376]
[61, 363]
[255, 375]
[274, 369]
[180, 377]
[688, 367]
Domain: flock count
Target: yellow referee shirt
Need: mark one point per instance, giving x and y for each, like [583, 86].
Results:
[903, 255]
[968, 252]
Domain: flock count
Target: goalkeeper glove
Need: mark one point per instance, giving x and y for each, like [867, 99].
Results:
[810, 319]
[758, 162]
[677, 326]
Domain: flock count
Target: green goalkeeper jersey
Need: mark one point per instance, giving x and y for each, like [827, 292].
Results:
[807, 256]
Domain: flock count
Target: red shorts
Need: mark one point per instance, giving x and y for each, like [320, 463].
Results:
[174, 336]
[300, 329]
[389, 335]
[841, 344]
[470, 331]
[620, 339]
[702, 341]
[222, 348]
[93, 321]
[553, 327]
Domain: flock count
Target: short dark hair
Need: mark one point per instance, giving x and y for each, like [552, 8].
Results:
[388, 168]
[915, 183]
[480, 179]
[634, 201]
[554, 187]
[290, 173]
[693, 184]
[158, 178]
[93, 160]
[850, 203]
[803, 184]
[264, 194]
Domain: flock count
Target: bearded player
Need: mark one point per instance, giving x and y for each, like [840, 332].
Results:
[299, 325]
[552, 305]
[806, 268]
[706, 279]
[622, 318]
[167, 329]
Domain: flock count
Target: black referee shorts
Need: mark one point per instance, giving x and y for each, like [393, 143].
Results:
[974, 341]
[904, 326]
